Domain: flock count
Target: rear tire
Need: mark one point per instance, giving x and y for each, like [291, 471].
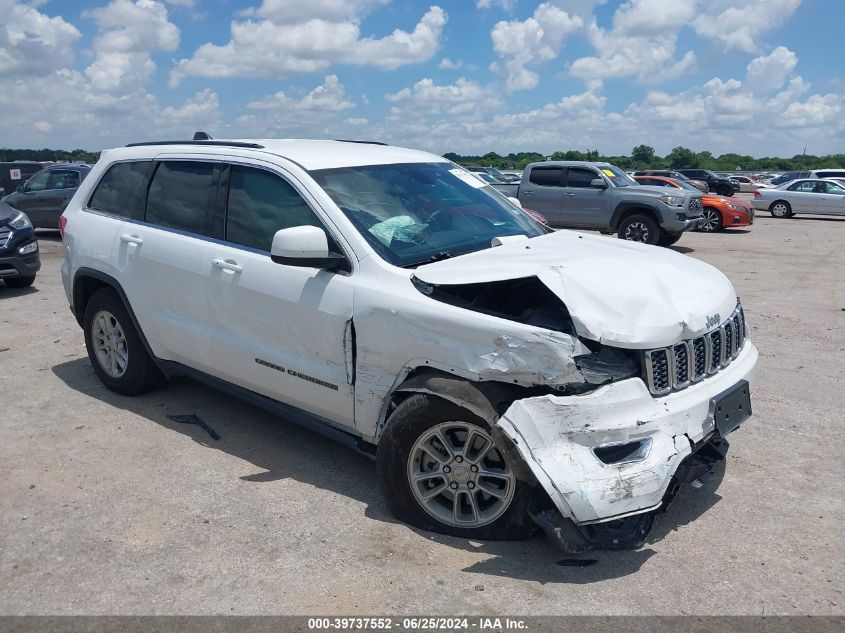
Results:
[639, 228]
[781, 209]
[20, 282]
[115, 348]
[415, 431]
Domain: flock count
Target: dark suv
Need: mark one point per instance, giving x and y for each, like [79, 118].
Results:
[19, 259]
[46, 194]
[718, 184]
[14, 173]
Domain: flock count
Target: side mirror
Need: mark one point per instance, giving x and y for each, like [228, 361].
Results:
[598, 183]
[515, 201]
[304, 246]
[19, 189]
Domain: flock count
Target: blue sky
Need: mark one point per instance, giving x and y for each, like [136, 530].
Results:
[748, 76]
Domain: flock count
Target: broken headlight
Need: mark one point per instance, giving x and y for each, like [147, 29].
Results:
[606, 364]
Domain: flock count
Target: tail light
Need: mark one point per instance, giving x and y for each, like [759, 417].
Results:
[62, 224]
[757, 194]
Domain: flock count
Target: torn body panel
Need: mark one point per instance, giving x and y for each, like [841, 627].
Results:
[617, 292]
[556, 436]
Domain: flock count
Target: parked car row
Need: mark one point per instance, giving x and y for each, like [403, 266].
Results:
[719, 212]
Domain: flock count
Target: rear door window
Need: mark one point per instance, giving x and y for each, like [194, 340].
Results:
[64, 179]
[182, 195]
[546, 176]
[580, 177]
[122, 189]
[261, 203]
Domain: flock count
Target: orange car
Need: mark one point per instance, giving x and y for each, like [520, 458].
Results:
[719, 212]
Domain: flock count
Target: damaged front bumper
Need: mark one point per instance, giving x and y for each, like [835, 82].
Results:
[561, 440]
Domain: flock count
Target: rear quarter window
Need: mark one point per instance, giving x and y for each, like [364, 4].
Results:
[121, 190]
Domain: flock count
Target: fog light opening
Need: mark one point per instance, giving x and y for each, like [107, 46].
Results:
[623, 453]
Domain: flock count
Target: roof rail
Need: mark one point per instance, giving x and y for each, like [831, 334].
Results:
[347, 140]
[212, 143]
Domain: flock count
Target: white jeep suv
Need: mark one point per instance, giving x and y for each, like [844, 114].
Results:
[503, 375]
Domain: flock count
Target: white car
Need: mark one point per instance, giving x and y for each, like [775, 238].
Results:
[502, 374]
[805, 195]
[746, 185]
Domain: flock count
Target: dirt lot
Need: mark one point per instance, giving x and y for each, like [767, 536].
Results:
[107, 506]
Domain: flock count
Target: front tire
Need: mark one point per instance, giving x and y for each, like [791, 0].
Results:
[115, 348]
[712, 221]
[439, 470]
[639, 228]
[20, 282]
[781, 209]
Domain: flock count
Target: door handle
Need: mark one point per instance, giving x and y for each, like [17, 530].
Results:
[527, 193]
[569, 195]
[131, 239]
[227, 264]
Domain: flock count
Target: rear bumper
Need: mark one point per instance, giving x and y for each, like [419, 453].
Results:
[19, 265]
[556, 436]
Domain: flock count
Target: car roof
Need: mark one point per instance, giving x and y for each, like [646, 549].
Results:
[68, 165]
[572, 163]
[309, 154]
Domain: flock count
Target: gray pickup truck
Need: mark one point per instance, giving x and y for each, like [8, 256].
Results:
[602, 197]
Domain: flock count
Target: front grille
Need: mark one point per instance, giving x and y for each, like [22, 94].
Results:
[5, 234]
[696, 208]
[669, 369]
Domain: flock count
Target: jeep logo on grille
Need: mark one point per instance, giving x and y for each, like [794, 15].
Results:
[713, 320]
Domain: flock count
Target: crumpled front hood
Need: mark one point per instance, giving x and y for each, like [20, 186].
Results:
[618, 293]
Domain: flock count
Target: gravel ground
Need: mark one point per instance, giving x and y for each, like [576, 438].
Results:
[109, 507]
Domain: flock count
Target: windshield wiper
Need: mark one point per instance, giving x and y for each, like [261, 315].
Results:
[434, 258]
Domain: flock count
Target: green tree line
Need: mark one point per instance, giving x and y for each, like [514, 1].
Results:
[45, 155]
[644, 157]
[641, 157]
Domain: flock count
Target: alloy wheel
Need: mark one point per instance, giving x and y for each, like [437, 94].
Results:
[711, 220]
[109, 342]
[458, 476]
[636, 232]
[780, 210]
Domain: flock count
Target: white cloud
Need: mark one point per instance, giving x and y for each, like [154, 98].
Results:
[818, 110]
[449, 64]
[328, 97]
[738, 24]
[138, 26]
[32, 42]
[507, 5]
[769, 72]
[287, 12]
[309, 38]
[522, 44]
[457, 98]
[641, 43]
[128, 33]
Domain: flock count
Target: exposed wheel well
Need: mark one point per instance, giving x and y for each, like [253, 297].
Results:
[84, 286]
[86, 282]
